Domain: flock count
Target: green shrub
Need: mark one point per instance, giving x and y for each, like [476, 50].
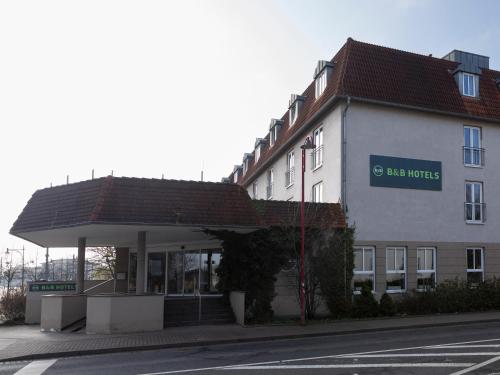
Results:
[452, 296]
[335, 268]
[387, 305]
[365, 305]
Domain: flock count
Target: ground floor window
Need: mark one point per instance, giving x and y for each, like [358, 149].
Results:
[395, 269]
[364, 268]
[426, 268]
[475, 268]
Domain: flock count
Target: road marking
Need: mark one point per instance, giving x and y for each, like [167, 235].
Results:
[469, 354]
[359, 365]
[463, 346]
[36, 367]
[348, 355]
[475, 367]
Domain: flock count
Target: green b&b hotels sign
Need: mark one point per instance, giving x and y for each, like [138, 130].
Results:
[388, 171]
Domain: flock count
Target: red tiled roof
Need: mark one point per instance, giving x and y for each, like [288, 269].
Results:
[287, 213]
[368, 72]
[140, 201]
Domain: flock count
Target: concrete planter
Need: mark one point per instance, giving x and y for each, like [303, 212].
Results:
[119, 313]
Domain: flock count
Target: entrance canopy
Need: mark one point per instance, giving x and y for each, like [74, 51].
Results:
[111, 211]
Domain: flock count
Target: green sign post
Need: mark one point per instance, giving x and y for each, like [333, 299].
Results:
[388, 171]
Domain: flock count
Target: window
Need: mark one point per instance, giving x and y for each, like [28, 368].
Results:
[290, 168]
[236, 176]
[273, 135]
[426, 268]
[364, 268]
[270, 184]
[473, 153]
[245, 166]
[395, 258]
[257, 153]
[321, 83]
[469, 84]
[294, 112]
[317, 193]
[475, 269]
[317, 154]
[474, 206]
[255, 191]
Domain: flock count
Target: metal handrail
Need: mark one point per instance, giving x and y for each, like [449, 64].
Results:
[317, 156]
[98, 285]
[470, 152]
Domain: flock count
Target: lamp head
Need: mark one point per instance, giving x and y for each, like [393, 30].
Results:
[308, 144]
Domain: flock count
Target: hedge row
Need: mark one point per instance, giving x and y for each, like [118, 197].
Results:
[448, 297]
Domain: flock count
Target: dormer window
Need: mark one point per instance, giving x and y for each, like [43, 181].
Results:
[246, 162]
[321, 74]
[259, 143]
[469, 84]
[468, 71]
[294, 113]
[274, 128]
[294, 107]
[236, 173]
[320, 84]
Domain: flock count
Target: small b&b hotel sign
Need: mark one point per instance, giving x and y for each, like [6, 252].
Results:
[388, 171]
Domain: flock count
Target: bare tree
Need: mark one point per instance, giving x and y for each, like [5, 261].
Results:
[105, 261]
[9, 273]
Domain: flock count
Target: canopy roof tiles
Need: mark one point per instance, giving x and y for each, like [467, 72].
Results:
[155, 202]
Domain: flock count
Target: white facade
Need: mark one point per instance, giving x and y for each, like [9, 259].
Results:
[329, 172]
[381, 213]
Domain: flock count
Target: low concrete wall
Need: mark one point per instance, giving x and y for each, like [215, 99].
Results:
[237, 301]
[115, 313]
[34, 295]
[60, 311]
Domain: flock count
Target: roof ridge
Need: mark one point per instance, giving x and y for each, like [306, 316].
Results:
[345, 62]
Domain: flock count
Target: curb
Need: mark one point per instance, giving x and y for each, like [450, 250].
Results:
[76, 353]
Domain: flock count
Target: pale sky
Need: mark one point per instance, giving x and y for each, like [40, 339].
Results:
[146, 88]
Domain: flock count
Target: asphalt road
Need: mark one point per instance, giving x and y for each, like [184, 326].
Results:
[471, 349]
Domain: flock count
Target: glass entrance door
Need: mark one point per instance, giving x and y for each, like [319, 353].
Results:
[156, 272]
[210, 260]
[192, 273]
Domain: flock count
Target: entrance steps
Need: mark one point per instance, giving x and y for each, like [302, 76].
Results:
[76, 326]
[183, 311]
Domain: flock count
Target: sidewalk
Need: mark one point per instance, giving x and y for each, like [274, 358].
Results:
[27, 342]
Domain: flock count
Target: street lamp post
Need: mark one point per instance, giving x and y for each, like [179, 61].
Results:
[20, 251]
[308, 145]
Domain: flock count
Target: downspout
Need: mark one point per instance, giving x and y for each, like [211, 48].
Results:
[343, 188]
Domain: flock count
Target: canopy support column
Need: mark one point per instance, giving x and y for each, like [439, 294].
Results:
[141, 263]
[80, 270]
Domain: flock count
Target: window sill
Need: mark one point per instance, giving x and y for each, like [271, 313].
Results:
[317, 167]
[425, 290]
[358, 293]
[474, 222]
[395, 291]
[473, 165]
